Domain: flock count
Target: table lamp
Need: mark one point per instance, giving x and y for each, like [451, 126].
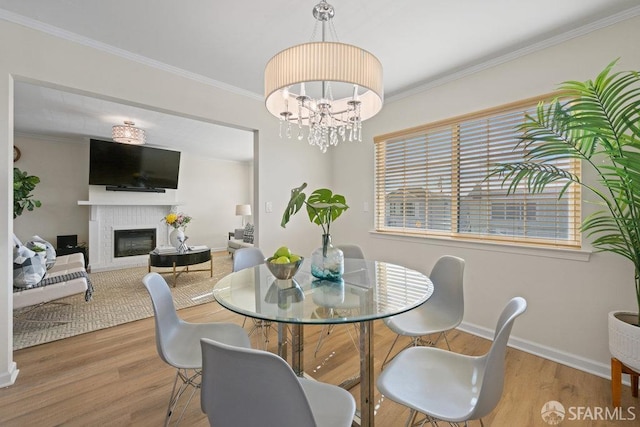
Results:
[243, 210]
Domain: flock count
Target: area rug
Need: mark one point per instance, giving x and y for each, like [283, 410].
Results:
[119, 297]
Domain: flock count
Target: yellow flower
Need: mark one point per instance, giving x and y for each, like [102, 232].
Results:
[170, 218]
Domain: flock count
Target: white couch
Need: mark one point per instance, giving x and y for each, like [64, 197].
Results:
[238, 239]
[65, 264]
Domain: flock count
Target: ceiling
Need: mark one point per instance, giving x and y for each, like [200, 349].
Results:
[227, 44]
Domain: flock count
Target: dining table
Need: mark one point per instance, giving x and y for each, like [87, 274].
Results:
[368, 290]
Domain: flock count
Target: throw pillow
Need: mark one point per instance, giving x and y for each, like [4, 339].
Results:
[39, 242]
[28, 267]
[247, 237]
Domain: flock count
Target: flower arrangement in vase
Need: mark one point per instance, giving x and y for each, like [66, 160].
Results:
[178, 221]
[323, 207]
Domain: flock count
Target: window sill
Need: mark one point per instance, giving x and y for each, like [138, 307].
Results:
[539, 251]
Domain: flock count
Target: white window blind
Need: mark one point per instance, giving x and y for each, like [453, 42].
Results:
[432, 180]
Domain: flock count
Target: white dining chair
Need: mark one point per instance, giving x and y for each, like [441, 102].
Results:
[350, 252]
[448, 386]
[178, 342]
[249, 387]
[248, 258]
[440, 313]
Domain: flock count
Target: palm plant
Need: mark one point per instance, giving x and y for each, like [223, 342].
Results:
[598, 123]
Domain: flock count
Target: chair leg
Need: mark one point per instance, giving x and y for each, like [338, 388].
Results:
[327, 329]
[412, 417]
[415, 341]
[384, 362]
[263, 327]
[444, 335]
[188, 380]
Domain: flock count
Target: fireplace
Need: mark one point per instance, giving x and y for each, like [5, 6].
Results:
[134, 242]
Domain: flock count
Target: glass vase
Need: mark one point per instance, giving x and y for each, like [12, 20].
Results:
[327, 262]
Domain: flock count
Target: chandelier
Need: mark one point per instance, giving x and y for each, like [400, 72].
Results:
[327, 87]
[128, 134]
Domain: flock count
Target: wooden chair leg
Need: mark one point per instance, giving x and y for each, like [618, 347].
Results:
[616, 381]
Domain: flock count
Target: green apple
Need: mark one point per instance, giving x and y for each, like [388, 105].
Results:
[281, 260]
[294, 258]
[282, 251]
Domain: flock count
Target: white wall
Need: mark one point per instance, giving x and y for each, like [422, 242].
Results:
[569, 294]
[210, 190]
[63, 169]
[39, 58]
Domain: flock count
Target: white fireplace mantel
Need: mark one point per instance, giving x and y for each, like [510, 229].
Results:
[122, 210]
[107, 217]
[126, 203]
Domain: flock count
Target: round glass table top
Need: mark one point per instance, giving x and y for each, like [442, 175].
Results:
[369, 290]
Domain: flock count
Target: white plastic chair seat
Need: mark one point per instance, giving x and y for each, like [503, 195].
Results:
[331, 407]
[429, 377]
[449, 386]
[249, 387]
[416, 323]
[182, 347]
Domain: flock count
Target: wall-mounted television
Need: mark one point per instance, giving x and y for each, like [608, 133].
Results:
[128, 167]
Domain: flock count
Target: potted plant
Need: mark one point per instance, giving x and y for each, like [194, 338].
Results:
[23, 185]
[323, 207]
[598, 123]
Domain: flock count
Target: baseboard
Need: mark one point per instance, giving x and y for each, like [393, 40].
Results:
[587, 365]
[9, 378]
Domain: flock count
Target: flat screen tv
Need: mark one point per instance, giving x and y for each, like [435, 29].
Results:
[132, 167]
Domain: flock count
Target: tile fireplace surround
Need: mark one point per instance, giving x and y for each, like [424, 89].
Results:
[107, 217]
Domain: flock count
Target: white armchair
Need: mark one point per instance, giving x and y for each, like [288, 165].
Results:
[240, 238]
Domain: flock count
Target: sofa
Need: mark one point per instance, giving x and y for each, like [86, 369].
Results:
[67, 276]
[240, 238]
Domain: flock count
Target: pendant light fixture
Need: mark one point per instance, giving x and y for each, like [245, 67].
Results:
[301, 81]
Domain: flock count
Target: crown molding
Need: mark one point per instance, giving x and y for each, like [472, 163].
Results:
[85, 41]
[427, 85]
[552, 41]
[49, 138]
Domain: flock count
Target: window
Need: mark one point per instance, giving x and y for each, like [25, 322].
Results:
[431, 181]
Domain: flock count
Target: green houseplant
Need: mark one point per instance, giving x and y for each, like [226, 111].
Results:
[323, 207]
[23, 185]
[598, 123]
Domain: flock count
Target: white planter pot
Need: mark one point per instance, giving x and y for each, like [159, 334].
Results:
[624, 338]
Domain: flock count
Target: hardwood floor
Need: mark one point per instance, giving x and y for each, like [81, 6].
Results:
[114, 377]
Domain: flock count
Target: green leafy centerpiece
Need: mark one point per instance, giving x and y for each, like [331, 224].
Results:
[323, 207]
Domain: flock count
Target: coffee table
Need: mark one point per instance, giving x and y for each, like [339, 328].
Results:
[178, 259]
